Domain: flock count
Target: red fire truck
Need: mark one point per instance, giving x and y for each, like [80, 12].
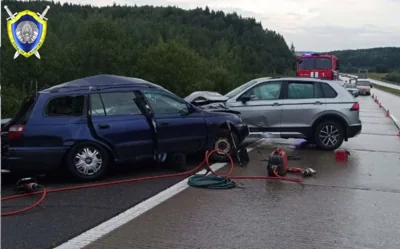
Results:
[323, 66]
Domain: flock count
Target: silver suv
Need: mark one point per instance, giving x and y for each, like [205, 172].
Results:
[321, 111]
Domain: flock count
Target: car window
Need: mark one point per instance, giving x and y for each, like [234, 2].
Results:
[239, 89]
[96, 105]
[363, 83]
[329, 92]
[348, 86]
[323, 63]
[66, 106]
[265, 91]
[306, 63]
[300, 90]
[114, 104]
[162, 103]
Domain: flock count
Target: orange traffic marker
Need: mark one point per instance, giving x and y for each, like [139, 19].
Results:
[342, 155]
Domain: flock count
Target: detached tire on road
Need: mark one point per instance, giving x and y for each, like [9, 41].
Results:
[329, 135]
[87, 161]
[223, 141]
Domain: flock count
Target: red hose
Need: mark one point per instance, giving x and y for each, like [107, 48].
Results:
[205, 163]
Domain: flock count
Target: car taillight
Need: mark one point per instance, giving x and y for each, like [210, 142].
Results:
[15, 131]
[355, 107]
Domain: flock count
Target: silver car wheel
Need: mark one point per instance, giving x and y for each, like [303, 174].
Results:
[329, 135]
[222, 144]
[88, 161]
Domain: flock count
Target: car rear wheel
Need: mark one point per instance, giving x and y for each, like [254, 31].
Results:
[87, 161]
[223, 141]
[329, 135]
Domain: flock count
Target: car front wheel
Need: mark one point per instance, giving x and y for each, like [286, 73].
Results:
[223, 142]
[329, 135]
[87, 161]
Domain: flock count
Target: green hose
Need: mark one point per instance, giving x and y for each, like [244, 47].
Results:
[211, 182]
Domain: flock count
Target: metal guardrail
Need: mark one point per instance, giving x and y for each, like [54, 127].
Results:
[382, 80]
[389, 82]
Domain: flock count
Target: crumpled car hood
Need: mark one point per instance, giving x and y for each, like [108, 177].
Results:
[209, 101]
[217, 107]
[201, 98]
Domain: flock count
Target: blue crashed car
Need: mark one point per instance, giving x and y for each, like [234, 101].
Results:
[87, 124]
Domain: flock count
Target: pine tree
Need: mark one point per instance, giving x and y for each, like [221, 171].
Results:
[292, 49]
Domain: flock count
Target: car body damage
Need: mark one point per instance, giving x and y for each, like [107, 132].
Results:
[127, 119]
[209, 101]
[201, 98]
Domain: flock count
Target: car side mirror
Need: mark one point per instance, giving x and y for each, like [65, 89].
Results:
[191, 109]
[244, 98]
[371, 86]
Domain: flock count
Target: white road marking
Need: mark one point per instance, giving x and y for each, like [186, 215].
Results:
[110, 225]
[395, 120]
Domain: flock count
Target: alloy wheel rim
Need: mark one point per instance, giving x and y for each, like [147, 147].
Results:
[329, 135]
[88, 161]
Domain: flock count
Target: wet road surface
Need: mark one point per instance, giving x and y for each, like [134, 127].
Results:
[389, 101]
[350, 204]
[65, 215]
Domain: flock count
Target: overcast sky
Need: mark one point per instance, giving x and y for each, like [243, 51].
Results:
[315, 25]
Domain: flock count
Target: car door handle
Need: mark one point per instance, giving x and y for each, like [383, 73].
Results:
[317, 103]
[164, 124]
[103, 126]
[276, 104]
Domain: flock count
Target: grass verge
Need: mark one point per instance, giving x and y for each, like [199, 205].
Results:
[387, 89]
[377, 76]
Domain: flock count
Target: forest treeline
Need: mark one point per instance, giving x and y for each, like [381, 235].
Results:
[182, 50]
[379, 60]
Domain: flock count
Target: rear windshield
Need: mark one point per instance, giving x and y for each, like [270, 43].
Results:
[363, 83]
[22, 116]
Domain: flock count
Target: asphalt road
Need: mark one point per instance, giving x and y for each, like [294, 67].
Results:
[67, 214]
[390, 101]
[346, 205]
